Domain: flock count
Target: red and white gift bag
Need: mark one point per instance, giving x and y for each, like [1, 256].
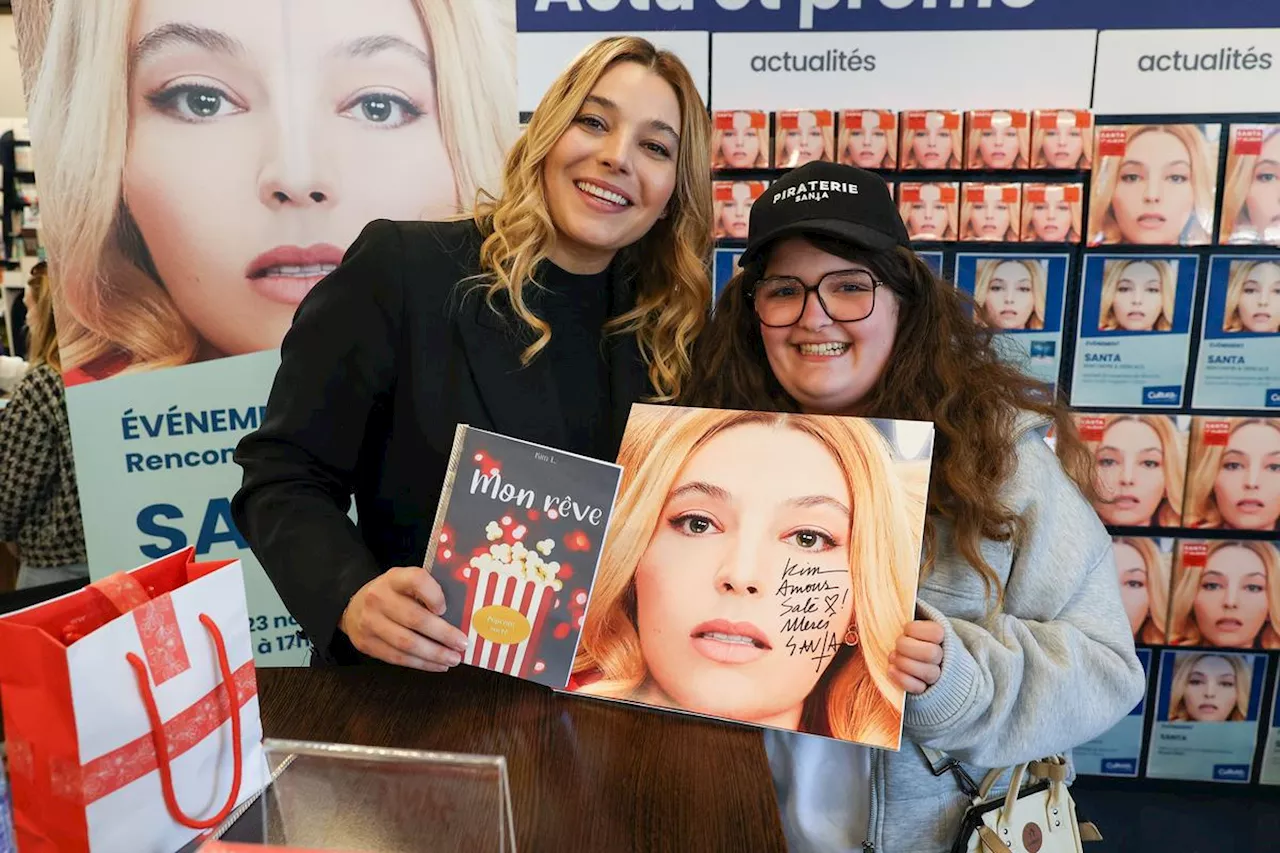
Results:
[131, 710]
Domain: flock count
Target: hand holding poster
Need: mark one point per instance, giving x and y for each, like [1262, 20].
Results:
[761, 592]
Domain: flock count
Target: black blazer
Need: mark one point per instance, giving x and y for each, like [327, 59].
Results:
[385, 357]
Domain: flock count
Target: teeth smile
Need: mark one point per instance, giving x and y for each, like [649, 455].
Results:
[732, 638]
[298, 271]
[823, 349]
[602, 193]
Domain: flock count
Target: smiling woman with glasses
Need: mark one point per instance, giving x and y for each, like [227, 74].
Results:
[833, 313]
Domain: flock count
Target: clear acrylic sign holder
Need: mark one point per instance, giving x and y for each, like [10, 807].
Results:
[357, 799]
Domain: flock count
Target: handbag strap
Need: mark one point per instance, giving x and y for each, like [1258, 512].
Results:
[160, 742]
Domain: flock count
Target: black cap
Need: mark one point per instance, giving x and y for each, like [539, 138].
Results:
[830, 199]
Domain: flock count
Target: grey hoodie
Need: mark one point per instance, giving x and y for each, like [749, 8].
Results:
[1052, 670]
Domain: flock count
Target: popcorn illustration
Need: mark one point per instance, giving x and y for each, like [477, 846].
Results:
[493, 532]
[509, 593]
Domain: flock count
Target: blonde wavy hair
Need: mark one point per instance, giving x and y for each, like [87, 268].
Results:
[1103, 227]
[1237, 228]
[1240, 272]
[854, 699]
[1173, 448]
[974, 156]
[1201, 510]
[1039, 287]
[42, 339]
[1114, 271]
[671, 262]
[1029, 233]
[890, 160]
[77, 55]
[1152, 630]
[1182, 668]
[1183, 630]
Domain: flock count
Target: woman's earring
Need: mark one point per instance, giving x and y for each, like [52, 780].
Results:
[851, 636]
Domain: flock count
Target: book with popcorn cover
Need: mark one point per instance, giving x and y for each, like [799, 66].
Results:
[517, 538]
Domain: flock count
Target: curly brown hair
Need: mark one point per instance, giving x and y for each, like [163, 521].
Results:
[943, 368]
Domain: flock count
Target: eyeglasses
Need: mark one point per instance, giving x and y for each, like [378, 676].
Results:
[847, 296]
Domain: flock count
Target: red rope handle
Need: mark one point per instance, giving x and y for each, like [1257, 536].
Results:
[161, 744]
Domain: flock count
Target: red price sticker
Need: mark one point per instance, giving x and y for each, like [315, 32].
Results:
[987, 119]
[740, 120]
[1216, 433]
[1195, 554]
[1053, 193]
[867, 120]
[1091, 427]
[1248, 141]
[796, 119]
[1112, 141]
[931, 120]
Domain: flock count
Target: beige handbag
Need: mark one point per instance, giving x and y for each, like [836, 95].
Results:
[1036, 815]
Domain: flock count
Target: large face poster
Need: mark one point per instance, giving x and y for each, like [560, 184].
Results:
[760, 568]
[203, 165]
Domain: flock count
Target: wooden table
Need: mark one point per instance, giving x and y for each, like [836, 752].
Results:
[585, 774]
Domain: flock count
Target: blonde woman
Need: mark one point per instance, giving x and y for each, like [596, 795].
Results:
[1143, 573]
[998, 140]
[803, 137]
[1235, 474]
[1011, 293]
[1062, 140]
[931, 140]
[1253, 298]
[1052, 213]
[1160, 191]
[930, 211]
[567, 297]
[740, 140]
[1251, 199]
[1140, 468]
[1210, 688]
[1228, 597]
[729, 555]
[869, 139]
[202, 166]
[1138, 295]
[990, 213]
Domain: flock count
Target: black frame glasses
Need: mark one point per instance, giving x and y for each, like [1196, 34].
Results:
[815, 289]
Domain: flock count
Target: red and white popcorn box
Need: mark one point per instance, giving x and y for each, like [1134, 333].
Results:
[131, 710]
[510, 590]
